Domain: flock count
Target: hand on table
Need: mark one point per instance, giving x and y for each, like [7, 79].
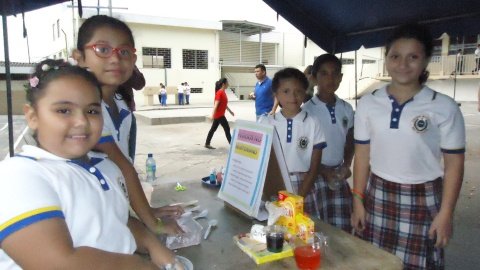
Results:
[169, 211]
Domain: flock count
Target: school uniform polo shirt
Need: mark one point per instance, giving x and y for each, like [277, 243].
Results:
[407, 141]
[263, 97]
[37, 185]
[298, 137]
[334, 121]
[117, 131]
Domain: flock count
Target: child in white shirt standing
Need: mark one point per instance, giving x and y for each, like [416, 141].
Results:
[299, 135]
[335, 117]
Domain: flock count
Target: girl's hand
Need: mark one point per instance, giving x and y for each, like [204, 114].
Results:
[441, 228]
[168, 211]
[169, 226]
[358, 216]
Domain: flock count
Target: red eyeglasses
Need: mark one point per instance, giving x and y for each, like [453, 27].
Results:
[105, 50]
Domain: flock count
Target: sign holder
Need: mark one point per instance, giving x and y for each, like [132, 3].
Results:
[252, 173]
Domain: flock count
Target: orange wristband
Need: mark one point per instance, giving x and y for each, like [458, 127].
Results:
[358, 193]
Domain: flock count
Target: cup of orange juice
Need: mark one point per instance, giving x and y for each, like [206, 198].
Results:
[308, 256]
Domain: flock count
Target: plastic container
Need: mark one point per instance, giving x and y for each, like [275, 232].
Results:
[151, 168]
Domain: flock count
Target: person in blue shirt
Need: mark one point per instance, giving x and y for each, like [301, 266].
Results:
[265, 102]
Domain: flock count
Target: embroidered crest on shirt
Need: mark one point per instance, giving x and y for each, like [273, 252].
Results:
[303, 142]
[420, 123]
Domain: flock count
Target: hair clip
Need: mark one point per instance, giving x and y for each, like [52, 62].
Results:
[34, 81]
[45, 67]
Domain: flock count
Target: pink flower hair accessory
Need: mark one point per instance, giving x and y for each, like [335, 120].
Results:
[34, 81]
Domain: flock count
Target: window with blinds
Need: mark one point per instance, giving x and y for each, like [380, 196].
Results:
[156, 57]
[234, 49]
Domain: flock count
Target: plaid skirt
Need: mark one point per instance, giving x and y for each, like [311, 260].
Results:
[310, 205]
[335, 206]
[398, 217]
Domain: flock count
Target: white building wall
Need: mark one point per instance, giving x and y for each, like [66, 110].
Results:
[177, 39]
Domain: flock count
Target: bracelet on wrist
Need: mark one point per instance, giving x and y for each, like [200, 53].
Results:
[356, 196]
[358, 193]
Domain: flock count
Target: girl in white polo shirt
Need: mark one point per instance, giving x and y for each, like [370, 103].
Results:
[405, 198]
[299, 135]
[57, 210]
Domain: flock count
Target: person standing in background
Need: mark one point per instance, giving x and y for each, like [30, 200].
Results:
[163, 95]
[187, 93]
[180, 90]
[218, 114]
[265, 102]
[477, 59]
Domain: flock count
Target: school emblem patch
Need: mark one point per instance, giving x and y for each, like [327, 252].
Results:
[420, 123]
[303, 142]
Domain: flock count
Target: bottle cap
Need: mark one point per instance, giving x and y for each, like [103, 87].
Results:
[150, 155]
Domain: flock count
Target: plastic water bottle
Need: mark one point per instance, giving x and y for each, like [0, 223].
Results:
[151, 168]
[213, 176]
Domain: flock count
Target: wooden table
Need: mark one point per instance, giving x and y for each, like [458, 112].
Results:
[220, 252]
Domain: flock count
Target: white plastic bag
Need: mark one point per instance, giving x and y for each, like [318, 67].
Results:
[191, 237]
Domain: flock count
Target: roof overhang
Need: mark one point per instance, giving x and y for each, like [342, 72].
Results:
[245, 27]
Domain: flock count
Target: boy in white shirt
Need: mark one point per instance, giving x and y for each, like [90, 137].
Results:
[299, 135]
[335, 117]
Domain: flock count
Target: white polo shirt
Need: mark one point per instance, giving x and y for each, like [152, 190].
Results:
[38, 185]
[407, 141]
[298, 137]
[334, 121]
[180, 89]
[117, 131]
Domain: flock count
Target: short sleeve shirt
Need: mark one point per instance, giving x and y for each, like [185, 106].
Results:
[37, 185]
[335, 121]
[222, 99]
[117, 131]
[263, 96]
[298, 137]
[407, 141]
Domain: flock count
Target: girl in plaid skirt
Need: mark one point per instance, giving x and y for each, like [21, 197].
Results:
[403, 197]
[299, 136]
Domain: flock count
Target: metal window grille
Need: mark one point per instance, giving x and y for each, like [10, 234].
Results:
[156, 57]
[195, 59]
[196, 90]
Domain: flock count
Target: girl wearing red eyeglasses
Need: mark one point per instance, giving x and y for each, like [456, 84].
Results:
[106, 47]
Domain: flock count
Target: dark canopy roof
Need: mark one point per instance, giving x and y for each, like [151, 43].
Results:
[345, 25]
[13, 7]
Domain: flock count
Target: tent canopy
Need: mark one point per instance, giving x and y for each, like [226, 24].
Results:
[345, 25]
[14, 7]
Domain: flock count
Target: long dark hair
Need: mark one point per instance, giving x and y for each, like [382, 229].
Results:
[219, 83]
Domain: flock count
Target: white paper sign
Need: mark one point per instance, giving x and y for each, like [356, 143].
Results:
[246, 167]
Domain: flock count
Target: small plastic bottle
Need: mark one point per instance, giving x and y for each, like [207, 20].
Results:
[151, 167]
[213, 177]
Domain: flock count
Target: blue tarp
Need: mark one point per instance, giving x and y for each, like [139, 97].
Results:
[345, 25]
